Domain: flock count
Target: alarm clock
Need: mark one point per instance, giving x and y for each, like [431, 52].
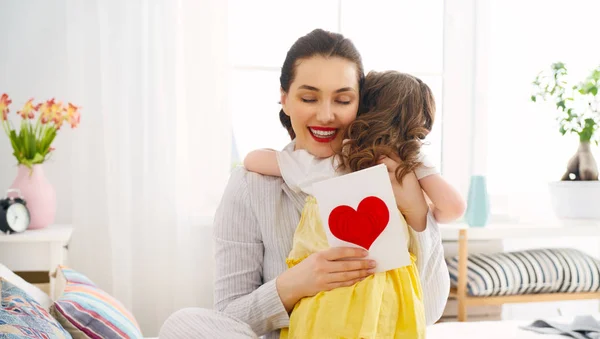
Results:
[14, 215]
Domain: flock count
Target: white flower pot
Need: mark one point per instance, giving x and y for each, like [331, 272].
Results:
[576, 199]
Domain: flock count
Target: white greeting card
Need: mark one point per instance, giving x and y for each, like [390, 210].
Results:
[359, 210]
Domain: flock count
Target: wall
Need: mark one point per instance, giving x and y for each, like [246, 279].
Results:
[33, 63]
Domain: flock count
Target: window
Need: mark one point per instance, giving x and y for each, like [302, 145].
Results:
[403, 35]
[525, 150]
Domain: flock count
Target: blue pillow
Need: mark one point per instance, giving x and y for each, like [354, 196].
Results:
[22, 316]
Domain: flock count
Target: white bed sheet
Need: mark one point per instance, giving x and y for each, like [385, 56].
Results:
[508, 329]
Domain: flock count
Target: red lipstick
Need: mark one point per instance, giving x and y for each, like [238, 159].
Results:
[323, 134]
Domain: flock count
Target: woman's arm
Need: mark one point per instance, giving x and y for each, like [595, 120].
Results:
[433, 271]
[263, 161]
[448, 204]
[239, 287]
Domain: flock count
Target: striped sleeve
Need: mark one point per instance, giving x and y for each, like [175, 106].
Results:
[433, 271]
[239, 287]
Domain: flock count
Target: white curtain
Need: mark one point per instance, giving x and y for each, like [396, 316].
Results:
[152, 154]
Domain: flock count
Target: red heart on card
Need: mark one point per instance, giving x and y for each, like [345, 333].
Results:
[361, 226]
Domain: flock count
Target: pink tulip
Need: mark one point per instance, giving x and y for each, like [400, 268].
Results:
[4, 102]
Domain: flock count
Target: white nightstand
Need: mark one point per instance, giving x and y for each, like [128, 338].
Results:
[36, 250]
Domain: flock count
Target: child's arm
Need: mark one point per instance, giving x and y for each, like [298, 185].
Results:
[409, 196]
[448, 205]
[414, 213]
[263, 161]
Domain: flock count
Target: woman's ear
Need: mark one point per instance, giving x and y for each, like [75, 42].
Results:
[284, 97]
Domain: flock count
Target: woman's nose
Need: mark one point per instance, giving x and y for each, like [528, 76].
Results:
[325, 114]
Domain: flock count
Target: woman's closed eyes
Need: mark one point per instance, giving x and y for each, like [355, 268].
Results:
[341, 102]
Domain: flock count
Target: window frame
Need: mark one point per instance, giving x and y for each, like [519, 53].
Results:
[465, 83]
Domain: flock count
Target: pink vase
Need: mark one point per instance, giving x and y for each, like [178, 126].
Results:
[39, 194]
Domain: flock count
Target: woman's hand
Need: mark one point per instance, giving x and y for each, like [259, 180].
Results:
[323, 271]
[409, 196]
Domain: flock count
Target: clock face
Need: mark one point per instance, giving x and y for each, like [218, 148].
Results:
[17, 217]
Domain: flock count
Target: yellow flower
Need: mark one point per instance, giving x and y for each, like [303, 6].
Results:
[46, 111]
[4, 102]
[56, 107]
[28, 109]
[73, 115]
[58, 119]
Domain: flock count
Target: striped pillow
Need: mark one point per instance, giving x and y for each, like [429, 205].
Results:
[528, 272]
[86, 311]
[23, 317]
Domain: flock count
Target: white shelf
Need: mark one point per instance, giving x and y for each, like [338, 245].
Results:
[53, 233]
[512, 230]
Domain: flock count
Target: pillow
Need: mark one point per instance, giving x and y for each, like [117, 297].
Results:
[528, 272]
[22, 316]
[38, 295]
[86, 311]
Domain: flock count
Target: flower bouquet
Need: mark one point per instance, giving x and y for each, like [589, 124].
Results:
[32, 141]
[32, 146]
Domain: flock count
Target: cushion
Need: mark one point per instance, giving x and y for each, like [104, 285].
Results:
[86, 311]
[21, 316]
[528, 272]
[37, 294]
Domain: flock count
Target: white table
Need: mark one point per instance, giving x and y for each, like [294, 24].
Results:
[36, 250]
[513, 230]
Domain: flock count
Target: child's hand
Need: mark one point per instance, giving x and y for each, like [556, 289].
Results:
[345, 149]
[446, 202]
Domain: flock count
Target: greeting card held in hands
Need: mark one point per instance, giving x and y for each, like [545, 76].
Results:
[359, 210]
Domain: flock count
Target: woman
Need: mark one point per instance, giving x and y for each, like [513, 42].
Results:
[254, 225]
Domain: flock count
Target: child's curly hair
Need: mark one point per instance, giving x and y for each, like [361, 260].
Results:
[396, 113]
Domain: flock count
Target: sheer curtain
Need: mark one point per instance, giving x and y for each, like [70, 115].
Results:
[153, 153]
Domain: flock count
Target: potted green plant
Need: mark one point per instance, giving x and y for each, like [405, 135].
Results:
[578, 107]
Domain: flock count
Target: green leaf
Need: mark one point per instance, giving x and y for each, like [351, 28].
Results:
[562, 130]
[47, 139]
[558, 66]
[37, 159]
[14, 141]
[533, 98]
[26, 162]
[594, 90]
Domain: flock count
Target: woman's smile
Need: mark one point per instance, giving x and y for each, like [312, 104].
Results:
[323, 134]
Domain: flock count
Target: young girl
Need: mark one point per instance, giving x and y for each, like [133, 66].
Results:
[396, 113]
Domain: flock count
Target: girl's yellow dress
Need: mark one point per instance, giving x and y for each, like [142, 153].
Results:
[384, 305]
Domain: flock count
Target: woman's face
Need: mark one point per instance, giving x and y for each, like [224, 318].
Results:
[321, 102]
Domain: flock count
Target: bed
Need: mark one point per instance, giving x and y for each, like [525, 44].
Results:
[28, 307]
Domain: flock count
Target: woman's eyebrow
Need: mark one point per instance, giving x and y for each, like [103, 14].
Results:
[311, 88]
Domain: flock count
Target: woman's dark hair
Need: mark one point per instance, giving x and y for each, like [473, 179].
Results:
[396, 113]
[316, 43]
